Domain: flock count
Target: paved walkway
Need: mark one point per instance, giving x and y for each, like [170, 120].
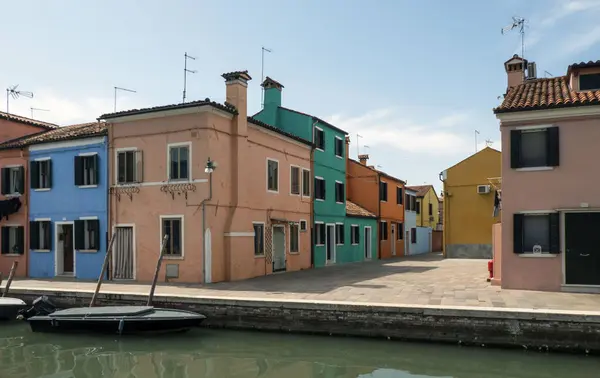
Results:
[418, 280]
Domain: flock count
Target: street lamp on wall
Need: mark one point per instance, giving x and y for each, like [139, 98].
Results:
[210, 166]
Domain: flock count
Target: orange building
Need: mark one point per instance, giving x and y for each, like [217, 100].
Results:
[383, 195]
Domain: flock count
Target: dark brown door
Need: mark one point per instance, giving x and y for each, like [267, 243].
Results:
[68, 253]
[582, 249]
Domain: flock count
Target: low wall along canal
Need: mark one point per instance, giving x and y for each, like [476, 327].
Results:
[531, 329]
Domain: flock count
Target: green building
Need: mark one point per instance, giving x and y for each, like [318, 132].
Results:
[331, 228]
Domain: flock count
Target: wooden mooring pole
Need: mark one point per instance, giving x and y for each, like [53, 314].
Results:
[104, 268]
[11, 275]
[162, 252]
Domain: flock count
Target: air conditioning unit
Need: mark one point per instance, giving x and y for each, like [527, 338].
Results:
[531, 70]
[483, 189]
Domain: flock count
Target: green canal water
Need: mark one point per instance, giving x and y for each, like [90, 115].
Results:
[224, 354]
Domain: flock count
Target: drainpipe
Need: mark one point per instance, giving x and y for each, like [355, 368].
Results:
[203, 204]
[445, 213]
[379, 215]
[312, 206]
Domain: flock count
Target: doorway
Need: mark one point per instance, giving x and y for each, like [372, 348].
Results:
[64, 252]
[330, 243]
[123, 256]
[279, 248]
[368, 244]
[582, 257]
[393, 239]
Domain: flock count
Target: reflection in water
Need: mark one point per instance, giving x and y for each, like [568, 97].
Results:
[224, 354]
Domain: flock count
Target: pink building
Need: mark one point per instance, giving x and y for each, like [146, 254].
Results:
[228, 190]
[550, 187]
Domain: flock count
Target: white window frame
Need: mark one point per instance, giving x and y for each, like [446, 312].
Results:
[324, 183]
[263, 239]
[314, 138]
[11, 167]
[278, 174]
[297, 224]
[335, 194]
[89, 186]
[343, 233]
[181, 217]
[324, 230]
[39, 160]
[352, 227]
[309, 183]
[299, 180]
[38, 228]
[190, 161]
[305, 225]
[334, 147]
[128, 149]
[86, 235]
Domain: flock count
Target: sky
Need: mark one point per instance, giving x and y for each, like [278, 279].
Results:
[414, 78]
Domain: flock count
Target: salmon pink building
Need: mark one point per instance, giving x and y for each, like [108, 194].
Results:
[550, 188]
[232, 194]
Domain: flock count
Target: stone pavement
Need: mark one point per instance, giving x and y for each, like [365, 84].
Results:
[418, 280]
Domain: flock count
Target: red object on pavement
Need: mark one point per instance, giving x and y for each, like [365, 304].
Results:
[491, 268]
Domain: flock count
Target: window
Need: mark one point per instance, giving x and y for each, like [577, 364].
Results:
[354, 234]
[534, 148]
[303, 225]
[430, 209]
[41, 174]
[173, 227]
[319, 233]
[13, 181]
[306, 183]
[383, 191]
[536, 231]
[589, 82]
[319, 188]
[87, 234]
[418, 207]
[399, 195]
[294, 180]
[86, 170]
[259, 239]
[400, 228]
[340, 193]
[179, 162]
[40, 235]
[407, 200]
[129, 167]
[383, 231]
[339, 234]
[272, 175]
[413, 235]
[319, 139]
[294, 237]
[13, 240]
[339, 147]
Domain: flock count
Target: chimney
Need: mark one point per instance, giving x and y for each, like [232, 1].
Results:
[272, 90]
[236, 94]
[347, 146]
[515, 71]
[363, 159]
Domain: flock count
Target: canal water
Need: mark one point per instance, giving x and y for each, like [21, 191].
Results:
[223, 354]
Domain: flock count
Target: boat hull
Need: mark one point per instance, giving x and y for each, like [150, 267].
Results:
[10, 307]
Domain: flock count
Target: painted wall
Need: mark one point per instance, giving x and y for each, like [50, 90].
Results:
[497, 250]
[468, 222]
[410, 221]
[66, 202]
[424, 218]
[356, 252]
[423, 244]
[11, 130]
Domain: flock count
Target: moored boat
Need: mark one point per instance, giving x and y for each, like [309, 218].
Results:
[10, 307]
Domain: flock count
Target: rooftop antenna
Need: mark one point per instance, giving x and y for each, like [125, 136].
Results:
[548, 74]
[476, 133]
[121, 89]
[488, 142]
[358, 136]
[185, 72]
[518, 22]
[14, 93]
[262, 73]
[42, 110]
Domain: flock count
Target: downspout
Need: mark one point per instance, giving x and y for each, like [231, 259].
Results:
[108, 212]
[312, 206]
[379, 215]
[445, 214]
[203, 204]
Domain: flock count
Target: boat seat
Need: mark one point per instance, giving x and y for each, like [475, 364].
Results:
[103, 311]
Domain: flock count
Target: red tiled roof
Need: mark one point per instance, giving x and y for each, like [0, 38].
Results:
[353, 209]
[82, 130]
[206, 102]
[421, 190]
[547, 93]
[27, 121]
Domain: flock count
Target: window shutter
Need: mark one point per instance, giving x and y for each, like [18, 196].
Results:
[515, 148]
[554, 233]
[5, 241]
[94, 224]
[34, 173]
[34, 235]
[21, 239]
[139, 166]
[78, 170]
[5, 180]
[399, 196]
[49, 162]
[518, 233]
[400, 231]
[79, 234]
[48, 234]
[553, 147]
[418, 204]
[96, 160]
[21, 181]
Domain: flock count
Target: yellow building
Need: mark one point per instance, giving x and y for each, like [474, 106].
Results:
[469, 198]
[427, 206]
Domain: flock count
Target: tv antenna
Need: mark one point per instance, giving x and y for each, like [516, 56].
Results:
[476, 133]
[121, 89]
[262, 72]
[518, 22]
[185, 72]
[42, 110]
[358, 137]
[488, 142]
[15, 94]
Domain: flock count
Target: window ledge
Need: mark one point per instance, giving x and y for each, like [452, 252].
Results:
[12, 254]
[318, 149]
[87, 186]
[41, 189]
[41, 250]
[355, 244]
[294, 253]
[272, 191]
[87, 250]
[338, 244]
[168, 257]
[339, 157]
[534, 255]
[295, 194]
[339, 203]
[319, 245]
[320, 200]
[259, 256]
[13, 195]
[533, 169]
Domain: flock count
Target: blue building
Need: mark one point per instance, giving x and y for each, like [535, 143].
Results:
[68, 205]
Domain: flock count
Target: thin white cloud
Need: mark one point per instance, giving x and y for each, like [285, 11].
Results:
[582, 42]
[565, 9]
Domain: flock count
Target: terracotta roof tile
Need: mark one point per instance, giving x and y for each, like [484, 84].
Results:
[547, 93]
[82, 130]
[236, 75]
[353, 209]
[421, 190]
[270, 83]
[206, 102]
[27, 121]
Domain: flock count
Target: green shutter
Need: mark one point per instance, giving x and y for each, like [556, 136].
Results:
[34, 174]
[95, 225]
[78, 168]
[34, 235]
[96, 165]
[553, 147]
[49, 162]
[554, 233]
[518, 233]
[515, 148]
[79, 234]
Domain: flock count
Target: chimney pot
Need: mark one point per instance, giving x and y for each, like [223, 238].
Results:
[363, 159]
[515, 71]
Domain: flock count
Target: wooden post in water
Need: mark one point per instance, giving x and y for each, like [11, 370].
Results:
[104, 267]
[0, 278]
[11, 275]
[162, 252]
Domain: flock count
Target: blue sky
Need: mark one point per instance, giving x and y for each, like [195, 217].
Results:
[414, 78]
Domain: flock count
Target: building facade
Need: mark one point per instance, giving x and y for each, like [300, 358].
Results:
[469, 197]
[360, 234]
[550, 192]
[410, 222]
[232, 193]
[427, 206]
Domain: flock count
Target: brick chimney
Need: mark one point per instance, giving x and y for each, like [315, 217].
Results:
[363, 159]
[515, 71]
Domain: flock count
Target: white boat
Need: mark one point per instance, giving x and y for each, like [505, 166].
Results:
[9, 308]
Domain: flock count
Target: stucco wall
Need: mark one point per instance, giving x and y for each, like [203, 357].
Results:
[355, 253]
[410, 221]
[11, 130]
[66, 202]
[497, 253]
[423, 244]
[424, 216]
